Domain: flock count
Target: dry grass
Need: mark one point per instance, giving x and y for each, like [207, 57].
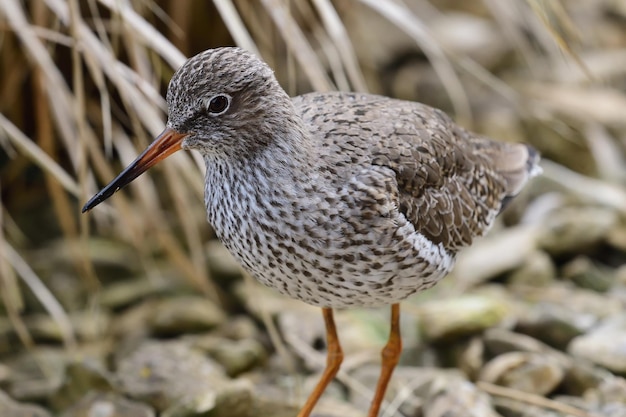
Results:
[82, 85]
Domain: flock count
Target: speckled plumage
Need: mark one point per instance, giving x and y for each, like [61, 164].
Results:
[338, 199]
[335, 199]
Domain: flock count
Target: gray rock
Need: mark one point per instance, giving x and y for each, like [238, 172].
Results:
[610, 390]
[537, 271]
[459, 399]
[577, 300]
[87, 326]
[492, 256]
[409, 388]
[167, 374]
[582, 376]
[223, 266]
[236, 356]
[180, 315]
[574, 229]
[80, 378]
[524, 371]
[5, 373]
[264, 407]
[124, 293]
[132, 323]
[514, 408]
[584, 273]
[620, 275]
[612, 410]
[331, 407]
[617, 237]
[36, 375]
[11, 408]
[554, 324]
[282, 393]
[471, 357]
[239, 328]
[8, 337]
[605, 345]
[99, 404]
[500, 341]
[232, 399]
[445, 320]
[609, 398]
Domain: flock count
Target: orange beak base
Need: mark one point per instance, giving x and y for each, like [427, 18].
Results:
[168, 142]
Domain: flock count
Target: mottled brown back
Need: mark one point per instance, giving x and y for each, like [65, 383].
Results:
[451, 183]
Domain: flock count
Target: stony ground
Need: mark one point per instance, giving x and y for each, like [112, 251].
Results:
[528, 325]
[531, 323]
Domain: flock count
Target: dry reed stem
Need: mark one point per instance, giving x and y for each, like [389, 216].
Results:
[586, 188]
[38, 156]
[84, 266]
[340, 40]
[10, 292]
[404, 19]
[57, 89]
[42, 293]
[148, 34]
[235, 25]
[553, 16]
[298, 45]
[533, 399]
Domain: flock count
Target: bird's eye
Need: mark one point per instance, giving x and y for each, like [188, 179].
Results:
[218, 104]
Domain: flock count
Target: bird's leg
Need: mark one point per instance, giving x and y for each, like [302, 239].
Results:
[390, 355]
[334, 357]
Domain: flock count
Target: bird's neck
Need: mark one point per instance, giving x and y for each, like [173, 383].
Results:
[240, 187]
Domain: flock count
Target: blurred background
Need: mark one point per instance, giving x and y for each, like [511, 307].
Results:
[137, 306]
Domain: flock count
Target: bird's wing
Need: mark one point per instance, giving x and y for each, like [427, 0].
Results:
[451, 183]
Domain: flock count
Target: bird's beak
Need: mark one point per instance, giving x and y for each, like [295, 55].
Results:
[168, 142]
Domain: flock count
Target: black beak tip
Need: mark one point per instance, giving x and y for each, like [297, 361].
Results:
[95, 200]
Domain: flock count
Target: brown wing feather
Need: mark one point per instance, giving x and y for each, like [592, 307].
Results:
[446, 189]
[451, 183]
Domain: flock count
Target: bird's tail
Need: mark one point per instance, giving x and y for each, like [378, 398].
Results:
[517, 163]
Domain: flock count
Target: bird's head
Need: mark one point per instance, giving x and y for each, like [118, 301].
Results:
[222, 102]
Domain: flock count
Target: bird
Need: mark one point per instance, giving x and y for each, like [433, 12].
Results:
[336, 199]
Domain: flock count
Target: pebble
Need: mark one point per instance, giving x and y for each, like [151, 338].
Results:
[538, 270]
[36, 375]
[445, 320]
[586, 274]
[169, 374]
[459, 399]
[236, 356]
[185, 314]
[12, 408]
[554, 324]
[128, 292]
[410, 388]
[81, 377]
[108, 404]
[575, 229]
[605, 345]
[524, 371]
[87, 326]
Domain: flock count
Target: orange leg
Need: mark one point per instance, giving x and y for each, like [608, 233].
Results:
[334, 357]
[391, 355]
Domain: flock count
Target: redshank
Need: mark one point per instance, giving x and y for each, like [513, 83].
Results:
[335, 199]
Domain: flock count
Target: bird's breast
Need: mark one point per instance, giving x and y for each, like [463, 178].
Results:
[318, 248]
